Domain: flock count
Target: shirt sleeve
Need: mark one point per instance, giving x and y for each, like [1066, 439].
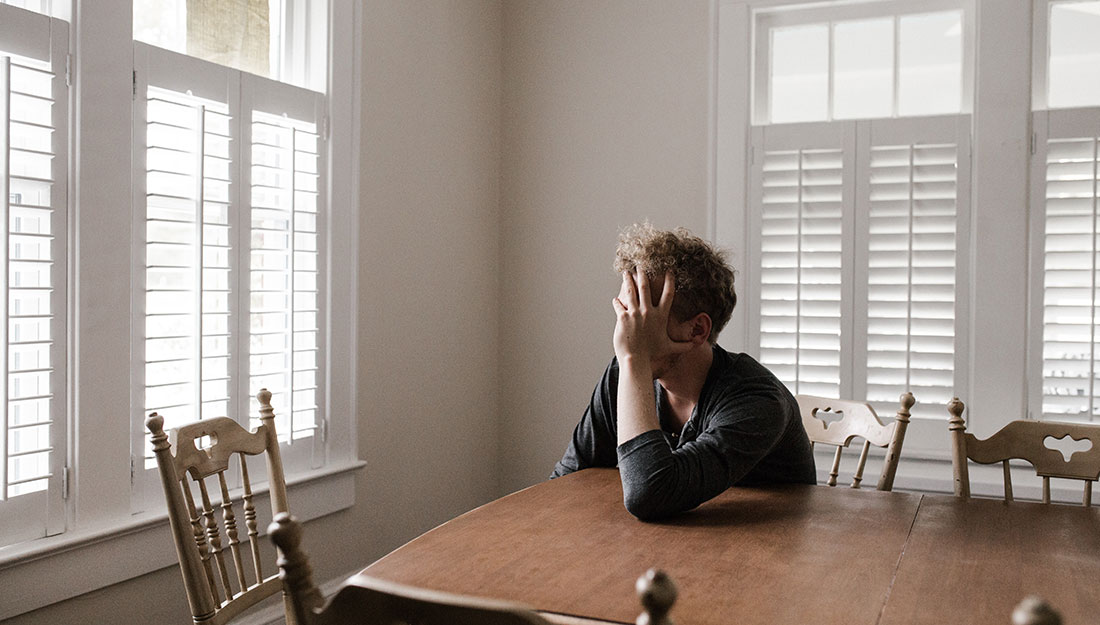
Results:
[594, 438]
[744, 427]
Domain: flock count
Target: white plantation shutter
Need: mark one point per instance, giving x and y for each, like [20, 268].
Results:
[183, 139]
[230, 252]
[909, 215]
[859, 258]
[186, 249]
[802, 194]
[1065, 188]
[187, 252]
[285, 336]
[33, 189]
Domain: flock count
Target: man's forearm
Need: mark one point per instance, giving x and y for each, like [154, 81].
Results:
[636, 405]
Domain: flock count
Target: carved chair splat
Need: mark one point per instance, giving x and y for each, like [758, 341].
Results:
[219, 586]
[364, 600]
[1024, 440]
[856, 419]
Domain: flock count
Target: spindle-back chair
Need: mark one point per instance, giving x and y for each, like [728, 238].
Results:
[218, 587]
[364, 600]
[856, 419]
[1024, 440]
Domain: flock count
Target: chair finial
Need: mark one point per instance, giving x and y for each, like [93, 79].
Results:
[266, 411]
[1034, 611]
[294, 568]
[955, 409]
[907, 400]
[657, 592]
[154, 423]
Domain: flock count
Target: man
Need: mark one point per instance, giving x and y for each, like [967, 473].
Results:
[682, 418]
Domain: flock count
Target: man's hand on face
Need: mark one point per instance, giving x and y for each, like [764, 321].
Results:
[641, 327]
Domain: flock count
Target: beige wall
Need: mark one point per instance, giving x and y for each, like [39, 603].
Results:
[428, 341]
[428, 253]
[605, 123]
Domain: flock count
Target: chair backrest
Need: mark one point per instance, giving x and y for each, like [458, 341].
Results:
[1024, 440]
[219, 585]
[364, 600]
[852, 419]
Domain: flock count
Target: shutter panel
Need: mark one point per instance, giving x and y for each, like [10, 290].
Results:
[33, 274]
[1069, 293]
[187, 257]
[33, 193]
[801, 199]
[186, 233]
[911, 274]
[285, 321]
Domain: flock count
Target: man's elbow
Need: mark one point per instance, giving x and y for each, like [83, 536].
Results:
[644, 505]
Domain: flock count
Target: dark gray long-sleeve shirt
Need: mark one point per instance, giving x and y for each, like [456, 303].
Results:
[745, 429]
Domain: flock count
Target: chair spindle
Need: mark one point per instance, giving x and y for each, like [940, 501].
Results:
[1046, 489]
[230, 521]
[200, 538]
[214, 538]
[835, 470]
[250, 520]
[1087, 499]
[1008, 481]
[858, 477]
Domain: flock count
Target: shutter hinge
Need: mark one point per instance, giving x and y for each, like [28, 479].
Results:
[1034, 140]
[65, 477]
[133, 92]
[132, 464]
[68, 70]
[324, 430]
[324, 128]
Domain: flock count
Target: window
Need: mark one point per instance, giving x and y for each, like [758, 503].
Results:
[33, 189]
[869, 66]
[278, 39]
[858, 204]
[147, 274]
[1064, 215]
[231, 248]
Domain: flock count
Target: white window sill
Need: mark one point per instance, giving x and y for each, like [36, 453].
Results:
[142, 544]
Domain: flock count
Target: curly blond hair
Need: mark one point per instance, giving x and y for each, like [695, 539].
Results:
[704, 281]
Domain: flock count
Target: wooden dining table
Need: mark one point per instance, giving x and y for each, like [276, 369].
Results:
[790, 554]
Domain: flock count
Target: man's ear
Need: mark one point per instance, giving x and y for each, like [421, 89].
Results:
[700, 328]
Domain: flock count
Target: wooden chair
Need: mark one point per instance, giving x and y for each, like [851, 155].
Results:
[219, 587]
[1024, 440]
[856, 419]
[364, 600]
